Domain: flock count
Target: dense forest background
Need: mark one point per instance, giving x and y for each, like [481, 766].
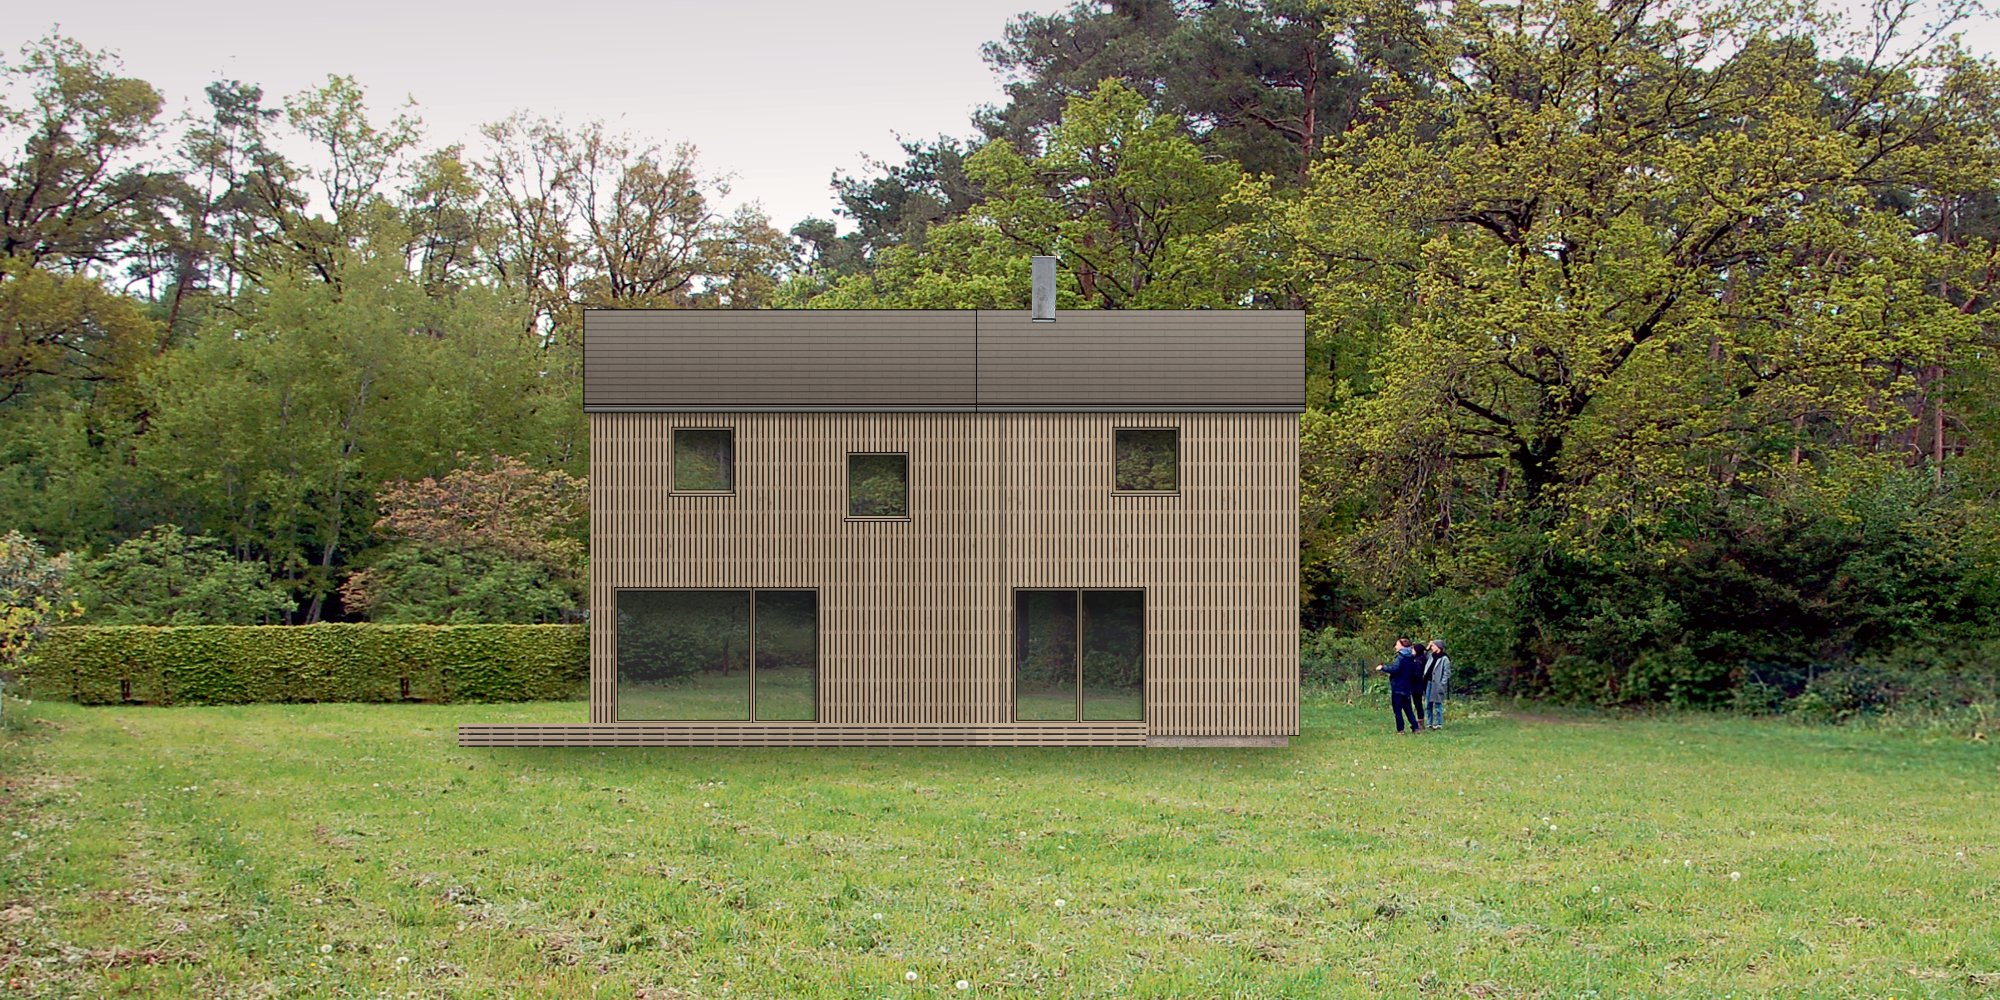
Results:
[1652, 346]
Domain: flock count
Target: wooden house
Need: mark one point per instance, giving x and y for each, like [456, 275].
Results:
[940, 528]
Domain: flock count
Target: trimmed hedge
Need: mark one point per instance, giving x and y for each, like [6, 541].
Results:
[242, 664]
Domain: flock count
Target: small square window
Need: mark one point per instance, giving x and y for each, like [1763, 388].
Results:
[1147, 460]
[878, 485]
[704, 460]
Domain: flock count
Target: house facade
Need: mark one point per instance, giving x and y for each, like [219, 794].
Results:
[943, 528]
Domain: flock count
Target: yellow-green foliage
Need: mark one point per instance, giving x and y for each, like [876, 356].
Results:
[242, 664]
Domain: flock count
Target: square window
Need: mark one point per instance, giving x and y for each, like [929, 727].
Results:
[704, 460]
[1147, 460]
[878, 486]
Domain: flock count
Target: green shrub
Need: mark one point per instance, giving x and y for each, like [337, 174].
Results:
[412, 585]
[32, 600]
[1580, 679]
[1479, 630]
[165, 577]
[240, 664]
[1913, 682]
[1328, 658]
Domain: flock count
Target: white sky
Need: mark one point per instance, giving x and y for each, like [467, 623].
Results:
[779, 94]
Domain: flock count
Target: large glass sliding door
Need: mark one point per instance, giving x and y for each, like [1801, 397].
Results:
[717, 655]
[1044, 655]
[1114, 655]
[1079, 655]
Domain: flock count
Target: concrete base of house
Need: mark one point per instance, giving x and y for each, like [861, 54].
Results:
[813, 734]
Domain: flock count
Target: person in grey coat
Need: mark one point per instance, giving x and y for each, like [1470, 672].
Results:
[1436, 677]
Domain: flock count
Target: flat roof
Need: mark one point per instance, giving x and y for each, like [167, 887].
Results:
[964, 360]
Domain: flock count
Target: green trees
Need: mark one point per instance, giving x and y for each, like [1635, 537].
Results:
[1613, 312]
[1650, 348]
[58, 327]
[276, 426]
[70, 195]
[165, 577]
[1262, 83]
[1119, 190]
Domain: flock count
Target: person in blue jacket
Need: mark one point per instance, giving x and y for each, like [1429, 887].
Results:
[1405, 679]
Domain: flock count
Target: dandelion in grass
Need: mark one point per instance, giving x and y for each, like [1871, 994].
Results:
[1735, 876]
[875, 916]
[910, 976]
[963, 985]
[326, 949]
[1596, 890]
[1061, 903]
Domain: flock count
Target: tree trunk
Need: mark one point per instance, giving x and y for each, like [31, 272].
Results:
[1937, 424]
[1309, 114]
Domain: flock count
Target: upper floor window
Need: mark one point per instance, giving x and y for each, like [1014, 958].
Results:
[1147, 460]
[878, 485]
[704, 460]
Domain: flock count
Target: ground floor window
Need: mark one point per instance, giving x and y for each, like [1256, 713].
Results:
[718, 655]
[1079, 655]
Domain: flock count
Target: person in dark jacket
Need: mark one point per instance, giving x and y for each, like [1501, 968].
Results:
[1405, 676]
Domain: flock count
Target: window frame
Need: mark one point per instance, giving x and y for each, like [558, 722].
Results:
[1176, 491]
[1014, 667]
[673, 462]
[909, 487]
[750, 653]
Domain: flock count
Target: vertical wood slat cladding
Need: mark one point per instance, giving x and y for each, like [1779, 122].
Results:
[916, 616]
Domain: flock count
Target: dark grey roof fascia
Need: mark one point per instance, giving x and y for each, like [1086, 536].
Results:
[942, 361]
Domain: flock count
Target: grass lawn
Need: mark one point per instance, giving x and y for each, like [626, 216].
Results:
[338, 850]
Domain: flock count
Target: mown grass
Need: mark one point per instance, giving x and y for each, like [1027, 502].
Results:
[339, 850]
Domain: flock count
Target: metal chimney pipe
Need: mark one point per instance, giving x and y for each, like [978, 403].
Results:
[1042, 303]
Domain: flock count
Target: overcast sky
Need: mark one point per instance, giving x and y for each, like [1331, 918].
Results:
[778, 94]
